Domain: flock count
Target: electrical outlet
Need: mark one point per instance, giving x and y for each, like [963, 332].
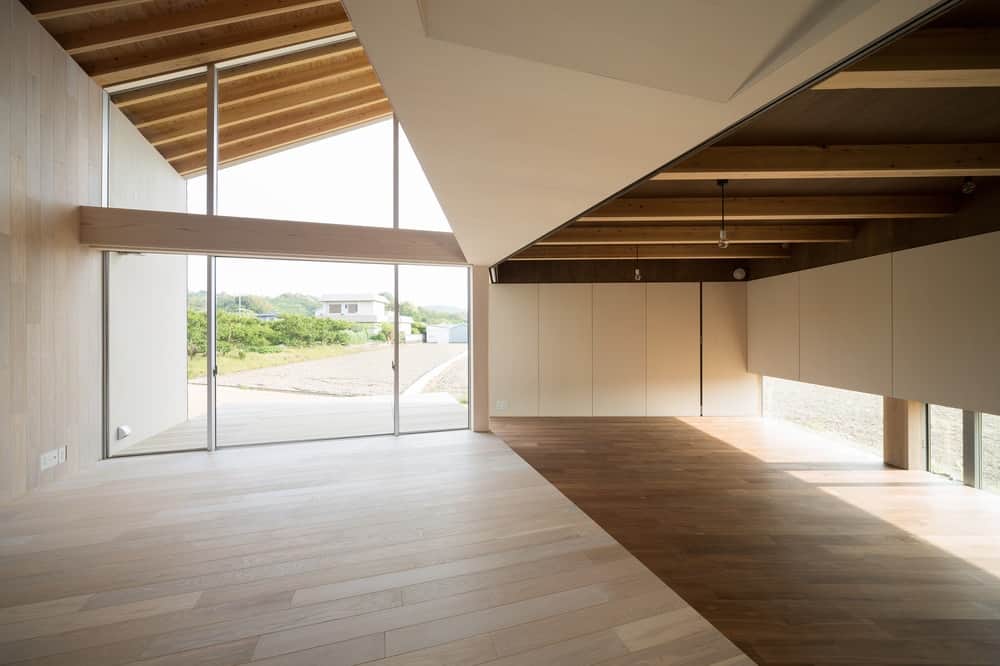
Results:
[49, 459]
[62, 454]
[501, 405]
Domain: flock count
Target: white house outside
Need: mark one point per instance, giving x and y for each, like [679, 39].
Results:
[362, 309]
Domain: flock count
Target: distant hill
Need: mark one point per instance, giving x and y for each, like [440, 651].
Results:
[285, 304]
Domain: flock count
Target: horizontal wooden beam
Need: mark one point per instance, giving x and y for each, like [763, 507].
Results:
[694, 251]
[149, 231]
[929, 58]
[176, 22]
[282, 138]
[44, 10]
[233, 133]
[191, 50]
[706, 209]
[633, 234]
[864, 161]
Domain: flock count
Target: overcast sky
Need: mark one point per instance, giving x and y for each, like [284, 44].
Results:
[343, 179]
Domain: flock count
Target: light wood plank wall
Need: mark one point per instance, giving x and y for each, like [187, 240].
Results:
[50, 287]
[673, 349]
[917, 324]
[565, 350]
[617, 350]
[727, 388]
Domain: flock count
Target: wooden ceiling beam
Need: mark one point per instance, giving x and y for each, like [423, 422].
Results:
[610, 252]
[194, 49]
[357, 74]
[929, 58]
[629, 234]
[283, 137]
[45, 10]
[866, 161]
[349, 50]
[281, 102]
[212, 15]
[195, 145]
[707, 209]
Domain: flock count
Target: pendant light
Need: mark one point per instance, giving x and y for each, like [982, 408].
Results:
[723, 238]
[638, 275]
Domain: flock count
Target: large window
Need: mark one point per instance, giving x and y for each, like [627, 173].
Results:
[850, 416]
[991, 452]
[434, 349]
[945, 441]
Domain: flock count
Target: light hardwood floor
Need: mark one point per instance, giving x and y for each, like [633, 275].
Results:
[800, 549]
[428, 549]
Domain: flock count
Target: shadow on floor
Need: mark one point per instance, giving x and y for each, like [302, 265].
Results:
[800, 550]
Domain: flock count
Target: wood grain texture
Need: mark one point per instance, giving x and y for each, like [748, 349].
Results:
[153, 231]
[50, 294]
[443, 548]
[801, 549]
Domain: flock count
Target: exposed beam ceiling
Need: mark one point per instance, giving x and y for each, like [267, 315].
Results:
[706, 209]
[283, 136]
[512, 161]
[191, 50]
[693, 251]
[816, 162]
[219, 13]
[45, 10]
[633, 234]
[930, 58]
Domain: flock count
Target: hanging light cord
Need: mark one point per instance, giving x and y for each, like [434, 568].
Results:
[723, 237]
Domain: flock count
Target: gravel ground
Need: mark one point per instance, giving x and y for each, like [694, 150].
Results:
[365, 373]
[455, 380]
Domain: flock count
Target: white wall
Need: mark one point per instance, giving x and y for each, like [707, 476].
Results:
[773, 326]
[728, 389]
[565, 350]
[920, 324]
[147, 298]
[673, 349]
[946, 323]
[513, 364]
[617, 350]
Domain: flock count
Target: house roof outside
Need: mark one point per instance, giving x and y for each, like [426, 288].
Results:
[354, 298]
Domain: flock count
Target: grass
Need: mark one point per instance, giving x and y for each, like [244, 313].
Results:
[255, 360]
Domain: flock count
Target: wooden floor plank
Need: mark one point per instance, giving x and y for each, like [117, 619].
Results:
[312, 554]
[799, 548]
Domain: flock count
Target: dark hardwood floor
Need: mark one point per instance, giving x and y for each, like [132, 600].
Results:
[801, 550]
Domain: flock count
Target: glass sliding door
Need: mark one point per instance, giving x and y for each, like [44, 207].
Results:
[156, 364]
[434, 348]
[945, 445]
[304, 350]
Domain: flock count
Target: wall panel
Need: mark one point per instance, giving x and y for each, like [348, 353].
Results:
[565, 348]
[513, 373]
[619, 349]
[773, 326]
[673, 349]
[728, 388]
[946, 323]
[50, 163]
[846, 325]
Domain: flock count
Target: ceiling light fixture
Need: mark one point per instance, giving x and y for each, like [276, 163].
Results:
[638, 275]
[723, 238]
[968, 185]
